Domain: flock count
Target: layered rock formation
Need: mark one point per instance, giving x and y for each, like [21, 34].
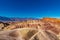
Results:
[42, 29]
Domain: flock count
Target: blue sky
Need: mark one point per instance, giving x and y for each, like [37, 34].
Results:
[30, 8]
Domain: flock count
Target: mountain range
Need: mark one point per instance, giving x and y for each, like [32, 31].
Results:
[2, 18]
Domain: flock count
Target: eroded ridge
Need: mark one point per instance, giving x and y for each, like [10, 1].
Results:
[28, 34]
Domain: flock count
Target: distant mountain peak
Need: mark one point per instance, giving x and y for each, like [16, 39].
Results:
[15, 19]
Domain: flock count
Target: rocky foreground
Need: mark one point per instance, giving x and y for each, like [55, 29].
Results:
[41, 29]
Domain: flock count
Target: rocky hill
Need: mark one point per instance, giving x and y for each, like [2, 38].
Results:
[40, 29]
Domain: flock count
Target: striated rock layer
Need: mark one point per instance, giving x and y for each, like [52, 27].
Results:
[41, 29]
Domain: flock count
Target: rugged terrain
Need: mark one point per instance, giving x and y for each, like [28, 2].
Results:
[37, 29]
